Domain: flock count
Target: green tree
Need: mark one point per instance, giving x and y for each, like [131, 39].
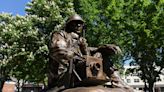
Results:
[23, 48]
[24, 39]
[136, 26]
[147, 40]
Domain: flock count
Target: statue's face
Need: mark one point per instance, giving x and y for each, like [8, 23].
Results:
[76, 26]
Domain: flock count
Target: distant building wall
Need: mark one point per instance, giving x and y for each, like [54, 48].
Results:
[9, 87]
[134, 81]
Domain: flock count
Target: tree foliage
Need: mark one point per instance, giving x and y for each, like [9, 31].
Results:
[53, 12]
[148, 44]
[135, 25]
[23, 47]
[24, 39]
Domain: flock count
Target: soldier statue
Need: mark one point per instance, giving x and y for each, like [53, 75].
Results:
[69, 43]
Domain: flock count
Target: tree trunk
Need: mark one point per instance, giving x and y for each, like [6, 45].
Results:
[145, 87]
[18, 86]
[151, 87]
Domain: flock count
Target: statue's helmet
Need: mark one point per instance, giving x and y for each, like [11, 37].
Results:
[74, 24]
[74, 17]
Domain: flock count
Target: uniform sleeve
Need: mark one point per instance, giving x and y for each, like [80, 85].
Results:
[58, 48]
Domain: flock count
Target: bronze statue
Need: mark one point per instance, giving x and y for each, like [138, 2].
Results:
[64, 45]
[73, 64]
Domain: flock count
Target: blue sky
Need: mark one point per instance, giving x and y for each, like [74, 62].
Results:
[13, 6]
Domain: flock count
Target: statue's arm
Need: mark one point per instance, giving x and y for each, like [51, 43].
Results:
[107, 49]
[58, 48]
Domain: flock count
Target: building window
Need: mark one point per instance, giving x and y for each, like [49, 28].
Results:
[128, 80]
[136, 80]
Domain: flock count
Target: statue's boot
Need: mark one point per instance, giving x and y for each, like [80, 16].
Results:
[117, 82]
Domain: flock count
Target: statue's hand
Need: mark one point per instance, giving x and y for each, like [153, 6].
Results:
[83, 42]
[109, 49]
[83, 45]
